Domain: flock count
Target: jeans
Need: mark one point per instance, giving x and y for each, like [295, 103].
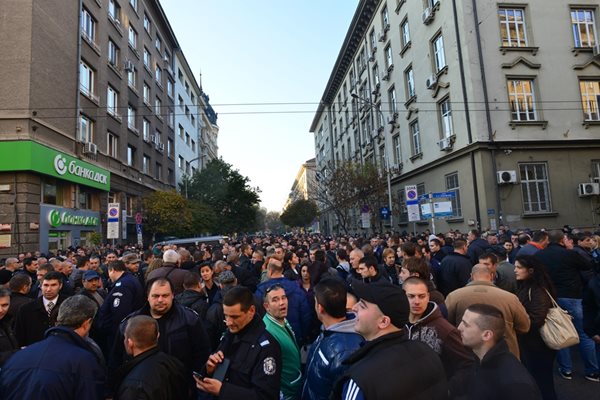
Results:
[587, 347]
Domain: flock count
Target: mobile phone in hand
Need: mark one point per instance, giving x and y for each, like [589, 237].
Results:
[198, 375]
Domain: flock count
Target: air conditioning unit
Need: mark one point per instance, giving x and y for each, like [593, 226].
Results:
[381, 37]
[445, 144]
[427, 16]
[431, 82]
[596, 50]
[506, 177]
[588, 189]
[129, 66]
[90, 148]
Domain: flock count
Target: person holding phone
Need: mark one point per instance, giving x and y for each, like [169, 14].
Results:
[247, 363]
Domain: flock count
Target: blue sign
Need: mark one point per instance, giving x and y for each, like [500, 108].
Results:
[439, 195]
[384, 212]
[424, 197]
[138, 228]
[113, 219]
[491, 211]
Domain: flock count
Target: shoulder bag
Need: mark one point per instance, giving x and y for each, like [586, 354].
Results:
[558, 332]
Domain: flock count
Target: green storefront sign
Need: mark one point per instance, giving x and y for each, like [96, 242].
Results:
[31, 156]
[57, 218]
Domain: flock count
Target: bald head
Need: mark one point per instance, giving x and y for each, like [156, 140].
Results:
[480, 272]
[12, 264]
[355, 257]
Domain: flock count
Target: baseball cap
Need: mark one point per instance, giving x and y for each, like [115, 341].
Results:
[226, 277]
[89, 275]
[390, 299]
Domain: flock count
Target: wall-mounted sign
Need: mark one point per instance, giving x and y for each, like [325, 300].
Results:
[31, 156]
[58, 217]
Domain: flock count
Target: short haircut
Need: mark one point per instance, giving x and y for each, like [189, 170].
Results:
[409, 248]
[369, 261]
[5, 292]
[331, 294]
[539, 236]
[160, 282]
[117, 265]
[415, 280]
[342, 255]
[81, 261]
[555, 236]
[489, 255]
[459, 244]
[75, 310]
[436, 241]
[239, 295]
[489, 318]
[417, 266]
[143, 331]
[474, 232]
[523, 239]
[191, 280]
[583, 235]
[28, 261]
[387, 251]
[275, 286]
[275, 266]
[53, 276]
[18, 282]
[148, 254]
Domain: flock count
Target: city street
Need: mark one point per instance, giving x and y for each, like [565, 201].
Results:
[578, 388]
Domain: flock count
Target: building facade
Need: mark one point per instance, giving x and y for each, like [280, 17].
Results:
[304, 184]
[86, 118]
[209, 132]
[495, 102]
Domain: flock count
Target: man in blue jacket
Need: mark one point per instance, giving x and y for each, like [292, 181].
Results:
[337, 341]
[65, 365]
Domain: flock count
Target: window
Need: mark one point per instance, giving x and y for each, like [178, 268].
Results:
[373, 40]
[158, 107]
[521, 99]
[389, 58]
[170, 176]
[410, 83]
[438, 53]
[445, 111]
[187, 111]
[596, 170]
[112, 101]
[132, 37]
[133, 4]
[187, 87]
[158, 43]
[131, 117]
[385, 18]
[86, 79]
[512, 27]
[590, 90]
[171, 119]
[88, 26]
[187, 167]
[86, 129]
[535, 188]
[114, 11]
[453, 186]
[130, 155]
[392, 100]
[158, 171]
[157, 137]
[147, 23]
[146, 164]
[405, 33]
[396, 149]
[147, 58]
[113, 53]
[180, 162]
[146, 129]
[170, 88]
[193, 120]
[361, 59]
[181, 132]
[187, 138]
[170, 147]
[583, 25]
[146, 93]
[416, 138]
[158, 75]
[193, 146]
[112, 148]
[180, 100]
[132, 77]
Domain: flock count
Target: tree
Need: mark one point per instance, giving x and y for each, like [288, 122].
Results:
[234, 203]
[168, 213]
[300, 213]
[273, 222]
[351, 186]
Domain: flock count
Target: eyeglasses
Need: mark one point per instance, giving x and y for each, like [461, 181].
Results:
[276, 286]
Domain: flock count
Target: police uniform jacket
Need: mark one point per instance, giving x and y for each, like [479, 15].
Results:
[255, 364]
[125, 297]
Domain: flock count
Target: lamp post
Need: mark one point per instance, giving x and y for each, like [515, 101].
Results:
[385, 158]
[186, 180]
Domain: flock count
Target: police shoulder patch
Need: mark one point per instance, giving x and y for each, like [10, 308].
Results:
[269, 366]
[116, 302]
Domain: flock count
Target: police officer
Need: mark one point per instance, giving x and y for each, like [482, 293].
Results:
[247, 364]
[126, 296]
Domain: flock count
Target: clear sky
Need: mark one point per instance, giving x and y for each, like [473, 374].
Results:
[263, 51]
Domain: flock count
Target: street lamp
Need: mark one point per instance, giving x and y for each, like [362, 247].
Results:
[387, 164]
[186, 180]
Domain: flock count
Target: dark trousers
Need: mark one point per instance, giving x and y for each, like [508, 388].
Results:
[539, 362]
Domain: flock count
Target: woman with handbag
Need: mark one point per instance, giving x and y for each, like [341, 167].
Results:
[534, 289]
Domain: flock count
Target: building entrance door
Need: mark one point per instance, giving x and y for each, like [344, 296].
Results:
[58, 240]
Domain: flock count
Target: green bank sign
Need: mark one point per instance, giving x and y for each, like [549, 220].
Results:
[57, 218]
[32, 156]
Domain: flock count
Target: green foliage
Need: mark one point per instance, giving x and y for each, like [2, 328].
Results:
[94, 239]
[273, 222]
[228, 195]
[300, 213]
[168, 213]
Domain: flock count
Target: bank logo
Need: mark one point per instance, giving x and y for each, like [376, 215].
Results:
[60, 164]
[54, 217]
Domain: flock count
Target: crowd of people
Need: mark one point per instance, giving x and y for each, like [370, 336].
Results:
[446, 316]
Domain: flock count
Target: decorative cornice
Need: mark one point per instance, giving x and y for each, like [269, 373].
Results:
[522, 60]
[587, 64]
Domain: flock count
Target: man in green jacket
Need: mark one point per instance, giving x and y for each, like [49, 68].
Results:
[276, 304]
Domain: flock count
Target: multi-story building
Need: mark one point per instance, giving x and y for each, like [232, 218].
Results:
[495, 101]
[86, 117]
[187, 121]
[304, 184]
[209, 132]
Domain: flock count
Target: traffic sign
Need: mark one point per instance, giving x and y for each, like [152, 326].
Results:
[384, 212]
[410, 192]
[439, 195]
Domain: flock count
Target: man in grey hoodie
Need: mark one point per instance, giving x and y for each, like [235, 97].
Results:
[337, 340]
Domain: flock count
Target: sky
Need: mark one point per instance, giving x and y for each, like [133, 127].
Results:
[251, 53]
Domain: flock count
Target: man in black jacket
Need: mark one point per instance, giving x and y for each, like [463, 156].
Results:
[477, 246]
[389, 365]
[499, 374]
[151, 374]
[8, 341]
[455, 269]
[193, 296]
[565, 267]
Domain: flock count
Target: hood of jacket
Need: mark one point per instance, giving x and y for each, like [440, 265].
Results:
[346, 326]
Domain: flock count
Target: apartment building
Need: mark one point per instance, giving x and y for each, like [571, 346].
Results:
[209, 131]
[86, 118]
[494, 101]
[304, 184]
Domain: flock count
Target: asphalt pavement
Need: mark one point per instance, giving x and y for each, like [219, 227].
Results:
[577, 388]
